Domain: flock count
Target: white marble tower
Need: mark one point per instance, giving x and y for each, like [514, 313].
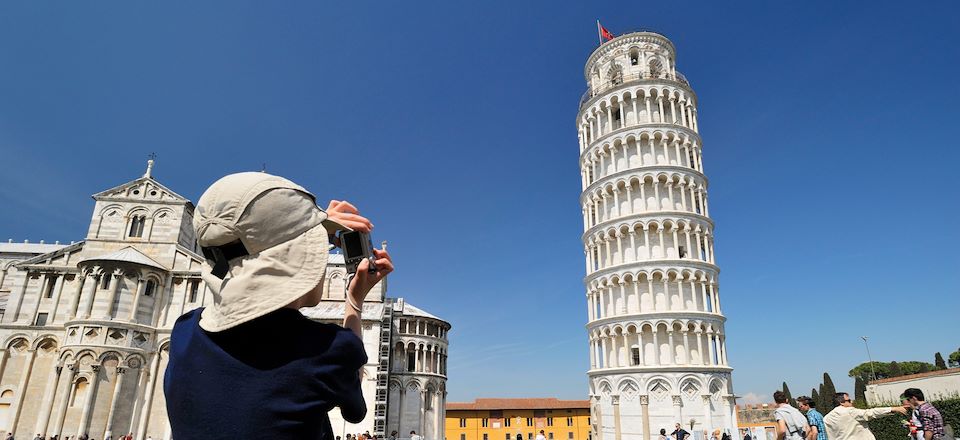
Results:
[657, 345]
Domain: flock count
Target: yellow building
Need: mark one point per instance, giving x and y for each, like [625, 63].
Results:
[503, 419]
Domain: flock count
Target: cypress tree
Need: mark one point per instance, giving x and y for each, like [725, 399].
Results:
[939, 362]
[827, 392]
[859, 392]
[786, 391]
[815, 396]
[895, 369]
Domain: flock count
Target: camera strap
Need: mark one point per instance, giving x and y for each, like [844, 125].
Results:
[220, 256]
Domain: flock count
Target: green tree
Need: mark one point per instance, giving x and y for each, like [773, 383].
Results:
[923, 369]
[790, 399]
[859, 393]
[815, 396]
[895, 370]
[955, 358]
[827, 392]
[938, 361]
[866, 370]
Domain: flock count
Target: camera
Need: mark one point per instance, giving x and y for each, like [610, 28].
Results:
[357, 247]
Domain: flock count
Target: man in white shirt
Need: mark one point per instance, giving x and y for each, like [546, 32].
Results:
[414, 436]
[848, 423]
[540, 436]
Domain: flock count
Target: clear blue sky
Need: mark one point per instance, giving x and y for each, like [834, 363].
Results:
[829, 135]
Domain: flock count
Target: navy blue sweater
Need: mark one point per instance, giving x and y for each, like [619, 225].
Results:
[274, 377]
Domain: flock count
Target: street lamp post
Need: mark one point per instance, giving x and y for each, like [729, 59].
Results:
[873, 371]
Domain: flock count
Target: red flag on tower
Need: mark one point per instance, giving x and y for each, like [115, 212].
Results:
[603, 32]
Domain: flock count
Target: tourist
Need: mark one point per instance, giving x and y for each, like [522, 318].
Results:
[848, 423]
[814, 419]
[250, 362]
[913, 423]
[725, 436]
[679, 433]
[393, 435]
[414, 436]
[540, 436]
[791, 425]
[929, 418]
[663, 435]
[746, 435]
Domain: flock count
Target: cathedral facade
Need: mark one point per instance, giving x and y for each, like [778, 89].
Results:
[85, 328]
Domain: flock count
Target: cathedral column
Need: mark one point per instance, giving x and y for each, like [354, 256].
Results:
[115, 289]
[62, 409]
[141, 382]
[88, 306]
[693, 294]
[646, 101]
[56, 298]
[91, 398]
[686, 347]
[660, 107]
[148, 399]
[22, 388]
[47, 403]
[4, 354]
[108, 433]
[141, 286]
[75, 301]
[23, 291]
[645, 411]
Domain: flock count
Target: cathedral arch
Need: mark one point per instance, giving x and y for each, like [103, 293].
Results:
[19, 341]
[46, 343]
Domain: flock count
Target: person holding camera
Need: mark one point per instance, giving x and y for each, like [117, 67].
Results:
[250, 364]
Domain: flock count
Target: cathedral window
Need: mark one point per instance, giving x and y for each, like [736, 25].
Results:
[634, 360]
[411, 361]
[150, 288]
[683, 252]
[79, 391]
[136, 226]
[41, 319]
[48, 289]
[618, 122]
[194, 288]
[634, 57]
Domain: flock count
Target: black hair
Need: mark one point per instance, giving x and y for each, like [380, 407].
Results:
[807, 401]
[913, 392]
[663, 432]
[839, 398]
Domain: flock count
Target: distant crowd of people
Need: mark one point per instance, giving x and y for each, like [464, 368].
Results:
[366, 436]
[681, 434]
[846, 422]
[129, 436]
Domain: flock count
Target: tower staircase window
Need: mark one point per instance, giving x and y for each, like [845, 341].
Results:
[634, 360]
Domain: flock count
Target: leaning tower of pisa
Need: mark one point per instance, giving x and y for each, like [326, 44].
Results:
[657, 347]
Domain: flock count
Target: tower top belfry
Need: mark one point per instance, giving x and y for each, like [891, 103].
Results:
[656, 330]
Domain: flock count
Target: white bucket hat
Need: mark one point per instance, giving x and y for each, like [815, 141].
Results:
[266, 244]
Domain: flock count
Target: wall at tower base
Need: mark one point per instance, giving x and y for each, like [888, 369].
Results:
[618, 410]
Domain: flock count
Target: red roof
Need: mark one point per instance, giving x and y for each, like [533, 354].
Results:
[532, 403]
[915, 376]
